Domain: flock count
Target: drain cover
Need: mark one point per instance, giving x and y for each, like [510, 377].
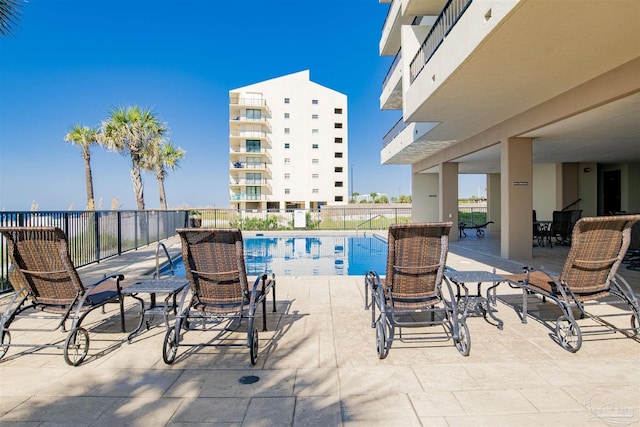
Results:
[249, 379]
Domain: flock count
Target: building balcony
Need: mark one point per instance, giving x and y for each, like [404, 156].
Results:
[236, 137]
[244, 197]
[240, 166]
[396, 143]
[391, 97]
[237, 122]
[242, 151]
[238, 102]
[243, 182]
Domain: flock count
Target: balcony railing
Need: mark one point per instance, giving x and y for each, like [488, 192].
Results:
[392, 68]
[395, 131]
[249, 102]
[244, 165]
[447, 19]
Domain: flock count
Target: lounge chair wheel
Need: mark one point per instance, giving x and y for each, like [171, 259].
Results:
[568, 333]
[76, 346]
[383, 334]
[6, 341]
[253, 346]
[463, 343]
[170, 346]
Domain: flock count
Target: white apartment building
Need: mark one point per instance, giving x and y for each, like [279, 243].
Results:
[541, 96]
[288, 145]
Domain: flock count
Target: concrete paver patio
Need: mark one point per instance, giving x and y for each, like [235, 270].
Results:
[318, 366]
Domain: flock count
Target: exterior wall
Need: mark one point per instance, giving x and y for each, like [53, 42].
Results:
[494, 198]
[545, 190]
[424, 198]
[303, 173]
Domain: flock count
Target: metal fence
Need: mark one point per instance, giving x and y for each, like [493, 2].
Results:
[97, 235]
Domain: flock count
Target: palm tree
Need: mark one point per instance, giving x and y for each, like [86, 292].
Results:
[130, 131]
[9, 13]
[159, 156]
[84, 137]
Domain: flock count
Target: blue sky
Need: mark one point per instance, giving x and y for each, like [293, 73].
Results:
[71, 61]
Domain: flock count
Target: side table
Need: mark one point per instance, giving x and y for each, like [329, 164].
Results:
[171, 287]
[460, 278]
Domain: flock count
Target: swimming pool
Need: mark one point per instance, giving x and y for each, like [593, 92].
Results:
[317, 255]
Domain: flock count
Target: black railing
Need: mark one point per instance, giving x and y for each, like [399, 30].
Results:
[96, 235]
[447, 19]
[394, 131]
[392, 68]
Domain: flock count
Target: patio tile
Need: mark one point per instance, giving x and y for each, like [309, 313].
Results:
[138, 412]
[76, 409]
[317, 411]
[270, 411]
[488, 402]
[390, 409]
[316, 382]
[211, 410]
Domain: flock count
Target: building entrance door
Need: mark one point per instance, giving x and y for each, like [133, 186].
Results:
[611, 192]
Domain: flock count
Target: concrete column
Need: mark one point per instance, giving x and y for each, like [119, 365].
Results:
[494, 199]
[449, 197]
[424, 197]
[517, 198]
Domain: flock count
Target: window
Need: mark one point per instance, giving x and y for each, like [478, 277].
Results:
[314, 117]
[286, 145]
[287, 176]
[314, 146]
[337, 140]
[287, 191]
[337, 125]
[287, 130]
[253, 114]
[337, 155]
[287, 161]
[254, 163]
[286, 115]
[253, 146]
[254, 178]
[337, 110]
[253, 193]
[286, 100]
[314, 161]
[315, 191]
[337, 169]
[338, 184]
[314, 101]
[315, 176]
[338, 198]
[314, 131]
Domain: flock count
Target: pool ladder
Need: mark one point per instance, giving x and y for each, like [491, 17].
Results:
[166, 252]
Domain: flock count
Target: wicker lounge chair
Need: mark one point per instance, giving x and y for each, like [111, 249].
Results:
[411, 295]
[220, 293]
[46, 280]
[589, 275]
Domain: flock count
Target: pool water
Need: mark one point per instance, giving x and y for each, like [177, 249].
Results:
[309, 256]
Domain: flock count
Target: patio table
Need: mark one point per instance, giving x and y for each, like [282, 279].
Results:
[171, 287]
[477, 301]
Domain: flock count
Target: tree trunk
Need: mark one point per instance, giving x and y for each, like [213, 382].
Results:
[136, 178]
[163, 197]
[138, 189]
[88, 179]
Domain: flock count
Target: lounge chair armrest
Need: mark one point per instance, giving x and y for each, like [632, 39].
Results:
[118, 276]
